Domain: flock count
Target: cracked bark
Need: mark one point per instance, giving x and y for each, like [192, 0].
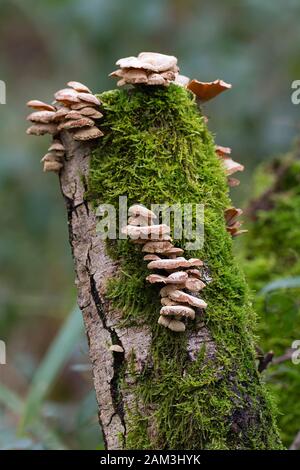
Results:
[93, 269]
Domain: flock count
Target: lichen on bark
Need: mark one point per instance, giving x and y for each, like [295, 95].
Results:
[199, 389]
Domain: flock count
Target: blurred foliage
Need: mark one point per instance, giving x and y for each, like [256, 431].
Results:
[253, 44]
[271, 254]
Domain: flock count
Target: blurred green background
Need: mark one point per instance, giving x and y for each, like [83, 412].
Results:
[253, 44]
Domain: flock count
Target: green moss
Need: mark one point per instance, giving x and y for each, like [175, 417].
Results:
[157, 149]
[271, 252]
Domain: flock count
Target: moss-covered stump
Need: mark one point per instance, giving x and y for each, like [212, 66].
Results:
[199, 389]
[270, 253]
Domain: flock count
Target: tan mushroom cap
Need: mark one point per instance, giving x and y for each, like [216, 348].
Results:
[67, 95]
[89, 98]
[88, 133]
[60, 113]
[40, 105]
[150, 257]
[231, 166]
[175, 278]
[223, 151]
[174, 252]
[178, 310]
[73, 114]
[76, 123]
[50, 157]
[91, 112]
[152, 61]
[52, 166]
[170, 264]
[177, 326]
[157, 247]
[79, 86]
[156, 79]
[232, 182]
[165, 291]
[41, 129]
[80, 105]
[57, 146]
[194, 285]
[207, 90]
[116, 348]
[167, 302]
[164, 321]
[181, 80]
[142, 211]
[194, 272]
[135, 232]
[134, 76]
[180, 296]
[43, 117]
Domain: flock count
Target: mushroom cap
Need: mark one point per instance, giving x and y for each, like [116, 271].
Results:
[89, 98]
[57, 145]
[76, 123]
[142, 211]
[73, 114]
[174, 251]
[150, 257]
[134, 231]
[180, 296]
[157, 247]
[60, 113]
[50, 157]
[165, 291]
[181, 80]
[167, 302]
[43, 117]
[180, 310]
[223, 151]
[79, 86]
[67, 95]
[207, 90]
[80, 105]
[91, 112]
[88, 133]
[194, 273]
[157, 62]
[231, 166]
[232, 182]
[231, 213]
[169, 75]
[194, 285]
[175, 278]
[134, 76]
[164, 321]
[152, 61]
[40, 105]
[170, 264]
[41, 129]
[177, 326]
[116, 348]
[52, 166]
[156, 79]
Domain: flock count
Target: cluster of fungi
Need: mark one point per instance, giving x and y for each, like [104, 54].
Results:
[181, 278]
[76, 110]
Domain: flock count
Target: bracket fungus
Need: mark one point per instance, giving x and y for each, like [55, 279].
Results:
[181, 273]
[148, 68]
[232, 224]
[75, 109]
